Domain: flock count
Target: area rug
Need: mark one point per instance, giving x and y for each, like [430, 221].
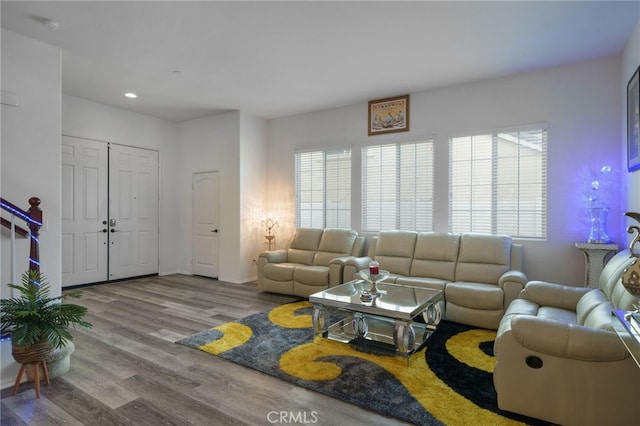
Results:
[450, 381]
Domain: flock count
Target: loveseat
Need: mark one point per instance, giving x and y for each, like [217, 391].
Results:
[313, 261]
[560, 360]
[479, 273]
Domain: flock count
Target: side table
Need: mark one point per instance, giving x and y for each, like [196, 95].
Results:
[595, 256]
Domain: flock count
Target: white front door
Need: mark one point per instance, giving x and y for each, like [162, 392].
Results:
[205, 224]
[109, 211]
[84, 211]
[133, 212]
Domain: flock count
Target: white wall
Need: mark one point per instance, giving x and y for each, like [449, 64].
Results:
[30, 149]
[211, 144]
[31, 143]
[580, 103]
[253, 189]
[90, 120]
[233, 144]
[630, 63]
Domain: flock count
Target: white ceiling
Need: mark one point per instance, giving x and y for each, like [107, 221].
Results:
[275, 59]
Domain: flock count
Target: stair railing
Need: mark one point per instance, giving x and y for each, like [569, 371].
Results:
[33, 219]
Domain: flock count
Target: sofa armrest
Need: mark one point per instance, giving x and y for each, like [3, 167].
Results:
[550, 294]
[275, 256]
[336, 269]
[359, 263]
[353, 265]
[512, 282]
[514, 276]
[567, 340]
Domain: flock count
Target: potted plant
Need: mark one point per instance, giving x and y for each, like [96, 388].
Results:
[37, 322]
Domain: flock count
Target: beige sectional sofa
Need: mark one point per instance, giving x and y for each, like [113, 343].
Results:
[313, 261]
[559, 358]
[479, 273]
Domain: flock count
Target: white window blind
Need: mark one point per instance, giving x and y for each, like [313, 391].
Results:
[498, 183]
[397, 187]
[323, 189]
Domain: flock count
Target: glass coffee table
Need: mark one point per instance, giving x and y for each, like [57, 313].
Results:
[385, 323]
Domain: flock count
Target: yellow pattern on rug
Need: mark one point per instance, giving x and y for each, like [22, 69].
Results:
[234, 335]
[284, 315]
[465, 347]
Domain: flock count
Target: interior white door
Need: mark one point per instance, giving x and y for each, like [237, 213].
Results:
[205, 190]
[84, 211]
[133, 212]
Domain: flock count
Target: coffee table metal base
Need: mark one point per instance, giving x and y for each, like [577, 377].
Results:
[390, 336]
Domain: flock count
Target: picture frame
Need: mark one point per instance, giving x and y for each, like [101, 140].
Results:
[388, 115]
[633, 122]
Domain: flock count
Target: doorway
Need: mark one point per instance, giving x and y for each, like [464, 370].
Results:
[205, 193]
[110, 196]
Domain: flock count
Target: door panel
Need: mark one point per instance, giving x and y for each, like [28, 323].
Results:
[205, 224]
[133, 205]
[84, 209]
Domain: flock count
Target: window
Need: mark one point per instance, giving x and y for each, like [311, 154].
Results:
[498, 183]
[397, 187]
[323, 189]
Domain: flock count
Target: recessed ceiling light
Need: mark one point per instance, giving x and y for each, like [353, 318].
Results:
[131, 95]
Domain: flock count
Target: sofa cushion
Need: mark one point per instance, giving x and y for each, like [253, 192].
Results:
[279, 271]
[435, 255]
[422, 282]
[522, 307]
[556, 314]
[392, 278]
[334, 243]
[394, 251]
[483, 258]
[303, 245]
[474, 295]
[312, 275]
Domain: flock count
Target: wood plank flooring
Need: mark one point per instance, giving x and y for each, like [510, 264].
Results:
[127, 370]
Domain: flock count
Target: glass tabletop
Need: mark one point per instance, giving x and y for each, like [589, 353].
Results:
[394, 301]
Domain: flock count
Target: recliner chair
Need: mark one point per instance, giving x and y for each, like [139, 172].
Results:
[559, 358]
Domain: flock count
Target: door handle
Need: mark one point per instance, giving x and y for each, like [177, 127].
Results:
[104, 230]
[113, 230]
[214, 230]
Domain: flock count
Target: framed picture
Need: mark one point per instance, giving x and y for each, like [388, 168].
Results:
[389, 115]
[633, 122]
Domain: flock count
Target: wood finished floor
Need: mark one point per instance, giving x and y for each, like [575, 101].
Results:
[127, 370]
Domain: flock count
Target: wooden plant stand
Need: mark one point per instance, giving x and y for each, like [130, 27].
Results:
[36, 376]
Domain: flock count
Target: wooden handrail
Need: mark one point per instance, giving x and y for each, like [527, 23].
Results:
[33, 218]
